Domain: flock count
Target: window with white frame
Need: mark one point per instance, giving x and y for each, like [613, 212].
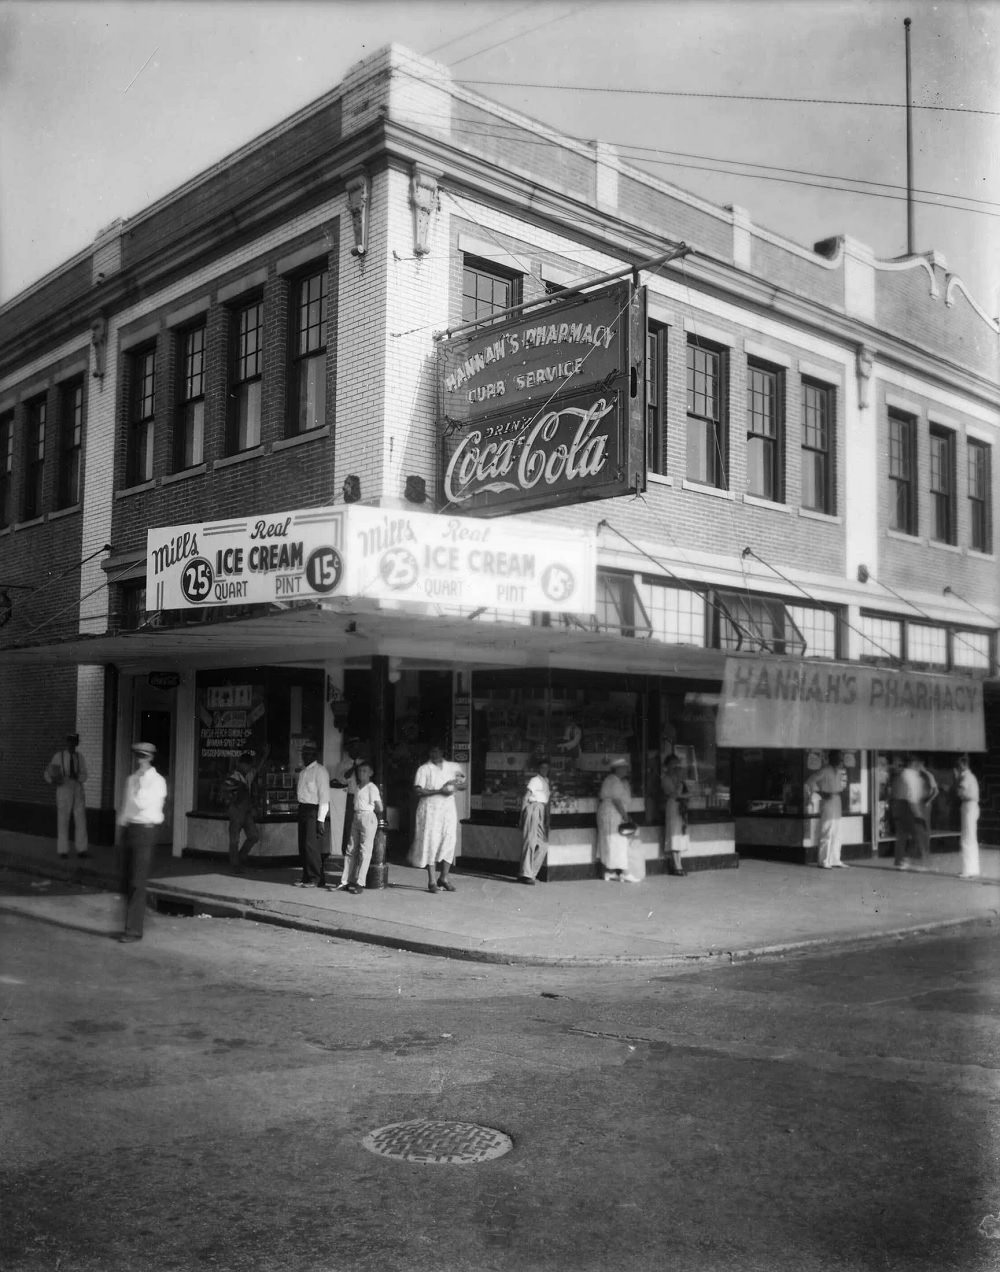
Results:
[746, 622]
[818, 628]
[70, 441]
[34, 464]
[676, 614]
[487, 289]
[817, 446]
[903, 472]
[880, 637]
[656, 397]
[707, 459]
[971, 650]
[942, 483]
[141, 420]
[927, 645]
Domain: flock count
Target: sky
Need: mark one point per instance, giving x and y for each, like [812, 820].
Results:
[106, 107]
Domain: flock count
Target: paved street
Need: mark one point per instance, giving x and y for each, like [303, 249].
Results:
[201, 1100]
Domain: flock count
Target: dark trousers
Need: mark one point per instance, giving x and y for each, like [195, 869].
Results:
[310, 846]
[241, 819]
[912, 833]
[137, 849]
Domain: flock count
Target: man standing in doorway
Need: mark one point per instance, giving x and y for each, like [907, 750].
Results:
[313, 793]
[141, 813]
[67, 772]
[828, 783]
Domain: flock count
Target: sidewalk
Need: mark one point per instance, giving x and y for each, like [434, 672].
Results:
[761, 908]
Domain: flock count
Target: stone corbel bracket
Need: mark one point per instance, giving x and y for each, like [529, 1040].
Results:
[424, 196]
[864, 361]
[359, 192]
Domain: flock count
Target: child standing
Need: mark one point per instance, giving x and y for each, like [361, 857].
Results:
[364, 826]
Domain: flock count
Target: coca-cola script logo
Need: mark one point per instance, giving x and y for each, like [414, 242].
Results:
[489, 460]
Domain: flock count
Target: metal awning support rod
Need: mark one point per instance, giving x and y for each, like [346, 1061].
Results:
[677, 251]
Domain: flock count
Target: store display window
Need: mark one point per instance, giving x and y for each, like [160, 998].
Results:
[250, 709]
[770, 782]
[945, 813]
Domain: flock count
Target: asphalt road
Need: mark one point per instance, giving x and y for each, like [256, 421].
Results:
[200, 1100]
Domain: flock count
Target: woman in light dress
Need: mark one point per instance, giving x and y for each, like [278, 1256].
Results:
[612, 810]
[435, 835]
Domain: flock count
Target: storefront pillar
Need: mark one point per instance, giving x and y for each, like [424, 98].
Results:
[378, 871]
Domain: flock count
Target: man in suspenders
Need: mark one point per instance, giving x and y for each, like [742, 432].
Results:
[67, 772]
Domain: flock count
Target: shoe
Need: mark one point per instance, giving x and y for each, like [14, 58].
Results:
[525, 879]
[63, 856]
[630, 878]
[823, 866]
[969, 876]
[611, 877]
[83, 856]
[127, 938]
[341, 887]
[432, 887]
[842, 865]
[354, 890]
[902, 865]
[303, 884]
[447, 885]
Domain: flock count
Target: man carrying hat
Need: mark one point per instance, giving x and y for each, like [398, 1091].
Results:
[141, 813]
[313, 794]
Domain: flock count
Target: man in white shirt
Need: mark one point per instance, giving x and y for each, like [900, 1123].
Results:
[535, 823]
[828, 783]
[364, 826]
[313, 794]
[67, 772]
[141, 813]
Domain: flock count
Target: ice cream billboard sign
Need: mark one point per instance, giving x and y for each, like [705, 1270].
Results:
[375, 554]
[547, 408]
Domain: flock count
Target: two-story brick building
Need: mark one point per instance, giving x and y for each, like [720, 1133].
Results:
[264, 363]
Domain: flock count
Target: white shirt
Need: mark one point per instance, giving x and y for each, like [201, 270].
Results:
[314, 788]
[434, 776]
[145, 795]
[538, 790]
[366, 798]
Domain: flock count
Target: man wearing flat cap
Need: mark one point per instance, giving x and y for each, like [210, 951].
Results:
[140, 816]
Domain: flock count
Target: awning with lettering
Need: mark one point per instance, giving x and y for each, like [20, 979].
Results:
[789, 702]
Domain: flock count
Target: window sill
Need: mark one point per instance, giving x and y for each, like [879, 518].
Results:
[198, 470]
[227, 461]
[26, 525]
[811, 514]
[136, 490]
[301, 438]
[702, 489]
[904, 537]
[659, 479]
[65, 512]
[8, 529]
[977, 554]
[755, 501]
[946, 547]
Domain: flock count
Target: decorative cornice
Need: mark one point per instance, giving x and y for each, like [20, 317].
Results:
[953, 283]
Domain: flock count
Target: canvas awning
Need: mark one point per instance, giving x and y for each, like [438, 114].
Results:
[789, 702]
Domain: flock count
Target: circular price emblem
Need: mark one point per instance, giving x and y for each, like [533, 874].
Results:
[324, 569]
[399, 568]
[197, 578]
[558, 583]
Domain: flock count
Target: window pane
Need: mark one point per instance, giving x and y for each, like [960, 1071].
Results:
[248, 407]
[818, 628]
[880, 637]
[927, 645]
[971, 649]
[312, 313]
[701, 450]
[312, 393]
[677, 615]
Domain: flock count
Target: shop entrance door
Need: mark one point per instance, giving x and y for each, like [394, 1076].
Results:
[154, 722]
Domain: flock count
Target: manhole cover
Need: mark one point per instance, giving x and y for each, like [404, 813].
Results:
[445, 1143]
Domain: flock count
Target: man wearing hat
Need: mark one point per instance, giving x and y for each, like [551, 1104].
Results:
[141, 813]
[67, 772]
[313, 794]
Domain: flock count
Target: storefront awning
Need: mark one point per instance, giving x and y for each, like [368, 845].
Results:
[354, 633]
[788, 702]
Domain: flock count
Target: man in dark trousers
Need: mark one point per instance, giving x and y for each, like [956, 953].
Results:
[313, 794]
[240, 790]
[139, 819]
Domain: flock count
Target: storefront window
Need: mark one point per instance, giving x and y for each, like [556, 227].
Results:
[770, 782]
[248, 709]
[945, 816]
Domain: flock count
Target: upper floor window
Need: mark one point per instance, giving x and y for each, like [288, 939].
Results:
[971, 650]
[6, 467]
[70, 442]
[926, 645]
[818, 628]
[34, 467]
[141, 415]
[245, 377]
[756, 623]
[817, 446]
[676, 614]
[980, 512]
[656, 398]
[903, 472]
[487, 289]
[942, 485]
[765, 411]
[310, 352]
[189, 436]
[706, 423]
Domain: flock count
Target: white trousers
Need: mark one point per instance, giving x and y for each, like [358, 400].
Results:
[359, 850]
[829, 841]
[969, 841]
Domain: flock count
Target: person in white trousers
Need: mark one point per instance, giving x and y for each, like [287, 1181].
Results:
[368, 811]
[67, 772]
[828, 784]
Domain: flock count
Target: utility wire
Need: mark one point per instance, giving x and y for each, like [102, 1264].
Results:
[733, 97]
[482, 27]
[520, 34]
[824, 181]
